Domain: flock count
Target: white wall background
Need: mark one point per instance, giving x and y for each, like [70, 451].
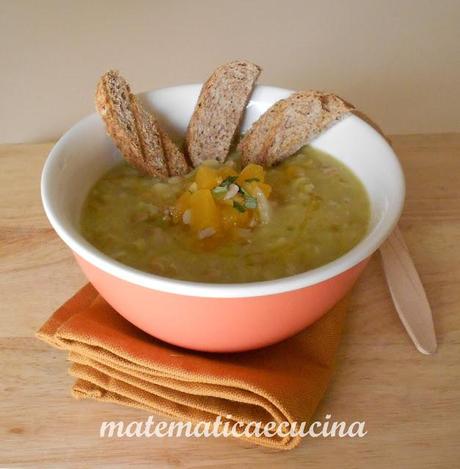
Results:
[397, 60]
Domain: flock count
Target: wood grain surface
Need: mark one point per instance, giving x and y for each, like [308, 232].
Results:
[410, 402]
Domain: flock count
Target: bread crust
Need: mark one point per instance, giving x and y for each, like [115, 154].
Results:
[175, 159]
[290, 124]
[135, 131]
[219, 111]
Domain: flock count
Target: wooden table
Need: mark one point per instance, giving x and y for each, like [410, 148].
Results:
[410, 402]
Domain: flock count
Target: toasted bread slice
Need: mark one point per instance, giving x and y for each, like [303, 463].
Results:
[219, 111]
[134, 130]
[290, 124]
[175, 159]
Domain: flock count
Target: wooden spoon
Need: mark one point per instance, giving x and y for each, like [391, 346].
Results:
[408, 293]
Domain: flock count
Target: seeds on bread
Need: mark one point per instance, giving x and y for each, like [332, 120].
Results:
[219, 110]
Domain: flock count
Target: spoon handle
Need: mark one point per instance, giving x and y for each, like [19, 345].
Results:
[408, 294]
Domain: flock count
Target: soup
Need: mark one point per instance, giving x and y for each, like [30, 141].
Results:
[312, 209]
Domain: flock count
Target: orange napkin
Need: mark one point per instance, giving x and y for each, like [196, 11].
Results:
[114, 361]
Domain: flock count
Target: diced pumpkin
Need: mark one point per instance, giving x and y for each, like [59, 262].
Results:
[205, 213]
[226, 171]
[224, 202]
[182, 204]
[251, 171]
[224, 210]
[207, 177]
[265, 188]
[238, 198]
[231, 217]
[252, 186]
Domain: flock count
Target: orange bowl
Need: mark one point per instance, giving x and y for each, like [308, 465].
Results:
[218, 317]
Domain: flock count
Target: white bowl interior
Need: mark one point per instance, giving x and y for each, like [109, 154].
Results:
[85, 152]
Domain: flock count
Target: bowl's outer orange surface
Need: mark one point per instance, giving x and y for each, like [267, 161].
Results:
[220, 324]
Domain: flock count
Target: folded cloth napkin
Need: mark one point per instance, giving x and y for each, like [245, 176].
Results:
[116, 362]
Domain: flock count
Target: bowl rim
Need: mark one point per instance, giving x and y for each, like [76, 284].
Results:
[81, 248]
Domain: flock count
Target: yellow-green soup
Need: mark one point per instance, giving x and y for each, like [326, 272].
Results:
[319, 210]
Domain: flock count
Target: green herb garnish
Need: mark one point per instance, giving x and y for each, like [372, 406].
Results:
[238, 206]
[228, 180]
[250, 202]
[219, 191]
